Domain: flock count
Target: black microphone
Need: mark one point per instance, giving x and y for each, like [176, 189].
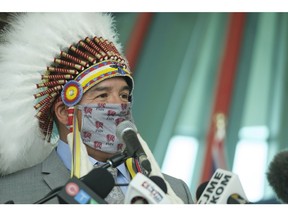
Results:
[277, 175]
[100, 181]
[115, 160]
[237, 199]
[93, 188]
[53, 193]
[126, 131]
[160, 183]
[201, 189]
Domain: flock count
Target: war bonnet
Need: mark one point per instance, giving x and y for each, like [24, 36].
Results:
[45, 57]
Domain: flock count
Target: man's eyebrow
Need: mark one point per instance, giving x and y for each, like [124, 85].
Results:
[100, 88]
[106, 88]
[126, 88]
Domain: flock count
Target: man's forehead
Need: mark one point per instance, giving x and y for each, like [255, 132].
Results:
[110, 81]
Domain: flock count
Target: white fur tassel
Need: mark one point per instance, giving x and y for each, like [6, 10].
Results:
[85, 164]
[156, 171]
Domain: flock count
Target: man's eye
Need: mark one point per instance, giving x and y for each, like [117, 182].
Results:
[124, 96]
[102, 96]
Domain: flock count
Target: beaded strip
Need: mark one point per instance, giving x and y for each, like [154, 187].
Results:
[101, 54]
[77, 60]
[62, 70]
[82, 54]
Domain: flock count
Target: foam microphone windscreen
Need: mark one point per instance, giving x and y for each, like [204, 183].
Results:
[200, 189]
[277, 175]
[159, 182]
[100, 181]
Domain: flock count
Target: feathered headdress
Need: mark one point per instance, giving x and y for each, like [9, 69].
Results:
[45, 57]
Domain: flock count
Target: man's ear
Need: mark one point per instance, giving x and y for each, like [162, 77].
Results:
[61, 112]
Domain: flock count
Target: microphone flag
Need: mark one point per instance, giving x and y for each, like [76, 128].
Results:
[221, 186]
[76, 192]
[143, 190]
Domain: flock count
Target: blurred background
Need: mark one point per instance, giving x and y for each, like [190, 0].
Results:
[210, 92]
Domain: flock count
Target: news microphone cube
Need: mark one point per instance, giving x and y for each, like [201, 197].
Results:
[76, 192]
[143, 190]
[221, 186]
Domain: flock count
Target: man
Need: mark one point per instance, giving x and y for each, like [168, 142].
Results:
[65, 87]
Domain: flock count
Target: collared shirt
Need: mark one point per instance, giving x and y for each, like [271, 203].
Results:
[64, 153]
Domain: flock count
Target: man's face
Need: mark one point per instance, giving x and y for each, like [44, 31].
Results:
[114, 90]
[111, 91]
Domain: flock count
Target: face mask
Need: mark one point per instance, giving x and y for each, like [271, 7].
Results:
[99, 122]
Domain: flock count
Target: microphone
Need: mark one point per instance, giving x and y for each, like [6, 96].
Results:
[200, 189]
[160, 182]
[277, 175]
[143, 190]
[93, 188]
[53, 193]
[126, 131]
[237, 199]
[223, 188]
[115, 160]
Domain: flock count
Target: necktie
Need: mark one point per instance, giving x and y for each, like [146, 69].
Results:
[116, 196]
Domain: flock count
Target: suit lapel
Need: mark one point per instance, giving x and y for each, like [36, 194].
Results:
[56, 173]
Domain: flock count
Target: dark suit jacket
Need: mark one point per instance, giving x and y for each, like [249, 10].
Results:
[32, 184]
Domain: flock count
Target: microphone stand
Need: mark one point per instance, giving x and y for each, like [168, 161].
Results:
[115, 160]
[49, 196]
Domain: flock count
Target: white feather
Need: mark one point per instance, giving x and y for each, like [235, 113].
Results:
[30, 45]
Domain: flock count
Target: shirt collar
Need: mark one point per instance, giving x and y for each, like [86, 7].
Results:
[63, 150]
